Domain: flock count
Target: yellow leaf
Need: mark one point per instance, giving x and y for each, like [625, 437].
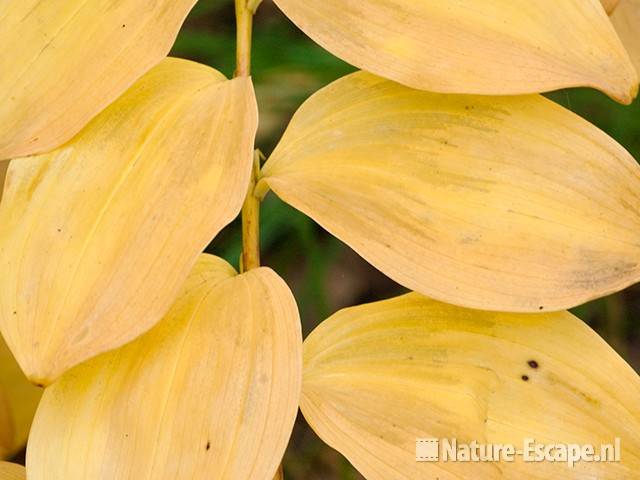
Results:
[11, 471]
[98, 236]
[20, 400]
[626, 19]
[493, 47]
[379, 376]
[210, 393]
[497, 203]
[63, 61]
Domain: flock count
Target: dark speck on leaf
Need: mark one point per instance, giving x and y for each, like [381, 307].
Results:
[208, 447]
[540, 307]
[533, 364]
[525, 378]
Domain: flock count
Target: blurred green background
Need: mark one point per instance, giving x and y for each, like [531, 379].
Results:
[325, 274]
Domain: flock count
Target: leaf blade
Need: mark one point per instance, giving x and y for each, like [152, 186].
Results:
[495, 48]
[496, 203]
[225, 363]
[45, 61]
[379, 376]
[166, 167]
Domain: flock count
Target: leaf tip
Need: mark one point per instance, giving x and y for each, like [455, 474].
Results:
[624, 96]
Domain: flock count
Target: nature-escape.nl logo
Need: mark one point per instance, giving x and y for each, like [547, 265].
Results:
[450, 450]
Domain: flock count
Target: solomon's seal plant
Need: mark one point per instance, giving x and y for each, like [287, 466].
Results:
[439, 163]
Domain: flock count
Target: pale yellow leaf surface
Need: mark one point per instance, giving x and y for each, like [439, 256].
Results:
[379, 376]
[626, 19]
[493, 47]
[63, 61]
[210, 393]
[11, 471]
[497, 203]
[20, 399]
[99, 235]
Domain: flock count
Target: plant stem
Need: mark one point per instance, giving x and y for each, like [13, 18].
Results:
[251, 222]
[244, 20]
[251, 209]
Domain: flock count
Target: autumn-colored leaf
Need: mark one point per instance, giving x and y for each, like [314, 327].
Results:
[63, 61]
[497, 203]
[493, 47]
[211, 392]
[98, 236]
[379, 376]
